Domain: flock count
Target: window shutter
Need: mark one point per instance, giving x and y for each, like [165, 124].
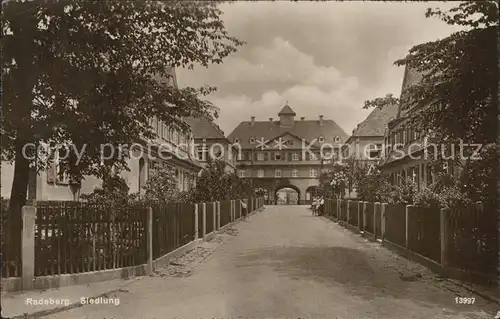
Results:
[266, 156]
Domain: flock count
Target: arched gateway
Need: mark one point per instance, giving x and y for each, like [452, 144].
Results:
[289, 199]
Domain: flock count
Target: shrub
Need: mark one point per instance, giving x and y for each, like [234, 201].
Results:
[403, 193]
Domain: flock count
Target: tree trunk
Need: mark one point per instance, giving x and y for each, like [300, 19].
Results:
[19, 189]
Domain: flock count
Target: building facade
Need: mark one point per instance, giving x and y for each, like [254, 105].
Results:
[405, 144]
[210, 142]
[175, 151]
[286, 153]
[366, 144]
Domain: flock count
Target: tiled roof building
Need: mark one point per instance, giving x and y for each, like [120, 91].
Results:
[285, 161]
[208, 135]
[405, 144]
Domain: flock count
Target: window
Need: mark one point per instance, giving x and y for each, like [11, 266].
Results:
[260, 156]
[373, 151]
[242, 174]
[260, 173]
[252, 140]
[313, 172]
[277, 172]
[295, 156]
[277, 156]
[202, 153]
[164, 132]
[337, 139]
[236, 140]
[321, 139]
[295, 173]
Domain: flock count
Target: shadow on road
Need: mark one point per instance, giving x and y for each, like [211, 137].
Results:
[352, 269]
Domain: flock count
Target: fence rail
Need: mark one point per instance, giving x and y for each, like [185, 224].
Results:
[466, 237]
[72, 237]
[225, 212]
[395, 224]
[424, 235]
[75, 237]
[472, 239]
[369, 213]
[353, 213]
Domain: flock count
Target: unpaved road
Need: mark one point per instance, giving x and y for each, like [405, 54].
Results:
[285, 263]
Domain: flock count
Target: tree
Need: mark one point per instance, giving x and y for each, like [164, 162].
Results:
[214, 183]
[334, 181]
[161, 186]
[457, 98]
[89, 73]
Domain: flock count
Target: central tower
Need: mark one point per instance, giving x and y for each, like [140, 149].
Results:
[287, 116]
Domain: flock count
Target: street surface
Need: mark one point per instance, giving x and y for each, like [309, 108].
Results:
[285, 263]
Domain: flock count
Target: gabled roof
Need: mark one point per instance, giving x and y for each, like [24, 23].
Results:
[203, 128]
[308, 130]
[376, 121]
[411, 77]
[287, 110]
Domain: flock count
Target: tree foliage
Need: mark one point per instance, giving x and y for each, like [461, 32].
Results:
[459, 86]
[93, 72]
[457, 97]
[215, 184]
[161, 186]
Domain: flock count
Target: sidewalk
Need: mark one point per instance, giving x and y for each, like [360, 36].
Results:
[20, 303]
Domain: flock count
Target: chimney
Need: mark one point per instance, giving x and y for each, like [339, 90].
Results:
[252, 123]
[270, 119]
[321, 120]
[302, 118]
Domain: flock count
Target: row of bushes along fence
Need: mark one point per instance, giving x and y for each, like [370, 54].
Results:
[462, 241]
[76, 237]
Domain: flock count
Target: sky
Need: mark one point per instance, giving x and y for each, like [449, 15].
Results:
[324, 58]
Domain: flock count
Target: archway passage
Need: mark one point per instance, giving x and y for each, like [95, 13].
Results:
[311, 192]
[287, 195]
[262, 192]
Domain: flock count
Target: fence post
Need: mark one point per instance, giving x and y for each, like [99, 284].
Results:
[348, 209]
[444, 239]
[196, 222]
[364, 215]
[149, 269]
[28, 247]
[231, 210]
[407, 229]
[360, 210]
[376, 206]
[382, 220]
[218, 215]
[339, 205]
[214, 209]
[204, 220]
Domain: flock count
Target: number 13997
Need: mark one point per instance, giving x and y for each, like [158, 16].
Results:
[465, 300]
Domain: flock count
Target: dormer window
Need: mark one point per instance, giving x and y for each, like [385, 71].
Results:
[337, 139]
[236, 140]
[321, 139]
[252, 140]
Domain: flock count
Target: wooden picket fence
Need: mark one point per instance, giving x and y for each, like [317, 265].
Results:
[75, 237]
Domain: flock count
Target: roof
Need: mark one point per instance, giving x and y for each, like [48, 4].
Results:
[308, 130]
[411, 77]
[287, 110]
[375, 123]
[204, 128]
